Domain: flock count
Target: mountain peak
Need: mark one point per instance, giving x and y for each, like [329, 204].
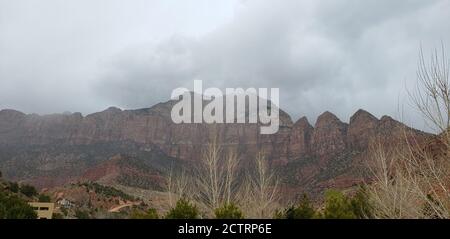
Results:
[303, 122]
[362, 115]
[386, 118]
[10, 112]
[326, 118]
[113, 109]
[329, 136]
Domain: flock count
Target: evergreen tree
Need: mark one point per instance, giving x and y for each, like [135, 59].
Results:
[150, 214]
[14, 187]
[28, 190]
[44, 198]
[304, 210]
[361, 206]
[337, 206]
[12, 207]
[229, 211]
[82, 214]
[183, 210]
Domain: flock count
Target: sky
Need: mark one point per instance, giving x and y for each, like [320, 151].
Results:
[324, 55]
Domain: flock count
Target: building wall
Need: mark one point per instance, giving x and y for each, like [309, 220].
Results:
[44, 210]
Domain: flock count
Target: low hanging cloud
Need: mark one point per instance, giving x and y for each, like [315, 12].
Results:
[323, 55]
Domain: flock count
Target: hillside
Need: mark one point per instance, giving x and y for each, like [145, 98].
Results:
[136, 148]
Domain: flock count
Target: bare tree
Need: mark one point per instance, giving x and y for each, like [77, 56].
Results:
[429, 168]
[392, 194]
[231, 186]
[432, 93]
[416, 178]
[215, 180]
[209, 176]
[215, 183]
[259, 197]
[178, 185]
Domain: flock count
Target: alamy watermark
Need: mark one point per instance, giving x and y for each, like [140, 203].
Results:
[241, 106]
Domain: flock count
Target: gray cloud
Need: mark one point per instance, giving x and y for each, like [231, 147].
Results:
[322, 54]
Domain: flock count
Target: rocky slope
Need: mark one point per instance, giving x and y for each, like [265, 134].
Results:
[55, 149]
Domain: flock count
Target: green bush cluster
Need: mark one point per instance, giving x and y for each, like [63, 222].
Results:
[107, 191]
[81, 214]
[13, 187]
[336, 206]
[183, 210]
[12, 207]
[28, 190]
[228, 211]
[44, 198]
[149, 214]
[303, 210]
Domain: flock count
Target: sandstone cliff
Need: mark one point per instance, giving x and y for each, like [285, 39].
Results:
[54, 149]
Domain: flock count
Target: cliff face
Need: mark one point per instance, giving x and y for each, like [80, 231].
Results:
[151, 126]
[305, 149]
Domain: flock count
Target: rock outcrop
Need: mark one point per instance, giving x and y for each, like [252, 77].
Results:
[74, 144]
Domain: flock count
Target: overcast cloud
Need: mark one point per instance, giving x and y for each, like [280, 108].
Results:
[322, 54]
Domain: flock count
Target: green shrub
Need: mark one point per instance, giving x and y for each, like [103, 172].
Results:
[64, 211]
[44, 198]
[337, 206]
[14, 187]
[57, 216]
[304, 210]
[183, 210]
[82, 214]
[107, 190]
[150, 214]
[12, 207]
[361, 206]
[229, 211]
[28, 190]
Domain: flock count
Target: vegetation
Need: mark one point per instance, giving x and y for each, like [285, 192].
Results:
[12, 207]
[28, 190]
[412, 181]
[149, 214]
[81, 214]
[183, 210]
[229, 211]
[14, 187]
[107, 191]
[304, 210]
[337, 206]
[361, 205]
[214, 184]
[57, 216]
[44, 198]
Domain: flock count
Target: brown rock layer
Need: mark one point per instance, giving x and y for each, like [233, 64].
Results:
[314, 155]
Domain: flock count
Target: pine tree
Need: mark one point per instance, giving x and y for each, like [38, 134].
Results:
[183, 210]
[229, 211]
[337, 206]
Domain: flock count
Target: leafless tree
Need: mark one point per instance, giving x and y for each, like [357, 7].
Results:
[215, 183]
[392, 194]
[416, 178]
[178, 185]
[215, 180]
[259, 197]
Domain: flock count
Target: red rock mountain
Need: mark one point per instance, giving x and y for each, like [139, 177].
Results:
[52, 150]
